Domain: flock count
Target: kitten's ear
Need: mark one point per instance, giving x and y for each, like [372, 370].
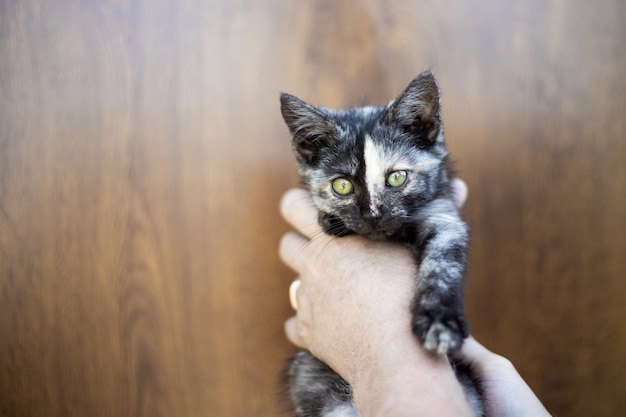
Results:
[311, 128]
[416, 110]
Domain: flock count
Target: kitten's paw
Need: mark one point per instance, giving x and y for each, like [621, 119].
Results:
[441, 340]
[439, 332]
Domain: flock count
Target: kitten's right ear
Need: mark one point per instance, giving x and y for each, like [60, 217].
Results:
[311, 128]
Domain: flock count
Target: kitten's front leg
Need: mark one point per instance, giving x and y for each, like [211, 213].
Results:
[438, 317]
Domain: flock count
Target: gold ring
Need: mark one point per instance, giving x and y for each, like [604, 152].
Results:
[292, 294]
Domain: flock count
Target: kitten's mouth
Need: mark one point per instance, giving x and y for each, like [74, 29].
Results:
[378, 235]
[375, 232]
[379, 230]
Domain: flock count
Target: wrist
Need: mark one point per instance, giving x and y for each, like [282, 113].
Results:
[403, 379]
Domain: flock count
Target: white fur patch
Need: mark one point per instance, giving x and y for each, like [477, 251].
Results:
[375, 170]
[342, 410]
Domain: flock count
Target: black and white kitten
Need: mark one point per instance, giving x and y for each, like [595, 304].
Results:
[383, 173]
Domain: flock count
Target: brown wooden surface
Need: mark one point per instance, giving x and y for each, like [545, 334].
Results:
[142, 157]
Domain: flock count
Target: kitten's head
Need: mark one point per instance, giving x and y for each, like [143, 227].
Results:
[370, 169]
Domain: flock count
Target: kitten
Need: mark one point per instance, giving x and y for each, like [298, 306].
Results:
[384, 173]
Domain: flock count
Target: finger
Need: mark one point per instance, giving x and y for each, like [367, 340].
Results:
[292, 334]
[459, 192]
[297, 208]
[290, 250]
[479, 356]
[474, 351]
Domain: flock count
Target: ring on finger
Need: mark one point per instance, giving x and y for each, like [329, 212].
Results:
[292, 294]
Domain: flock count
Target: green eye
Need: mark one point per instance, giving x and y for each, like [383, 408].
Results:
[342, 186]
[396, 178]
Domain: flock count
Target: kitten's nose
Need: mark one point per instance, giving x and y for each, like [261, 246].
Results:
[371, 217]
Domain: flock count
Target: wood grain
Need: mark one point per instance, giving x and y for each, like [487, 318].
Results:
[142, 157]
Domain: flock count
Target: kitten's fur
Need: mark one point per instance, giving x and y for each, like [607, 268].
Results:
[364, 145]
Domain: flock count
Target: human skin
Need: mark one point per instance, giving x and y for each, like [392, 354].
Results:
[506, 392]
[353, 313]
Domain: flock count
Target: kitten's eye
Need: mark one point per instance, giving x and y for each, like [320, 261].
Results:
[342, 186]
[396, 178]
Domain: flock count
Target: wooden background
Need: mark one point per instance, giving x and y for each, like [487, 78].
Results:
[142, 158]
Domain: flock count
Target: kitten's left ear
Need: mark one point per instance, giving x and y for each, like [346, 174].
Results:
[417, 109]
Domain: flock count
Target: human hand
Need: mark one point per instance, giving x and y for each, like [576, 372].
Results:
[353, 313]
